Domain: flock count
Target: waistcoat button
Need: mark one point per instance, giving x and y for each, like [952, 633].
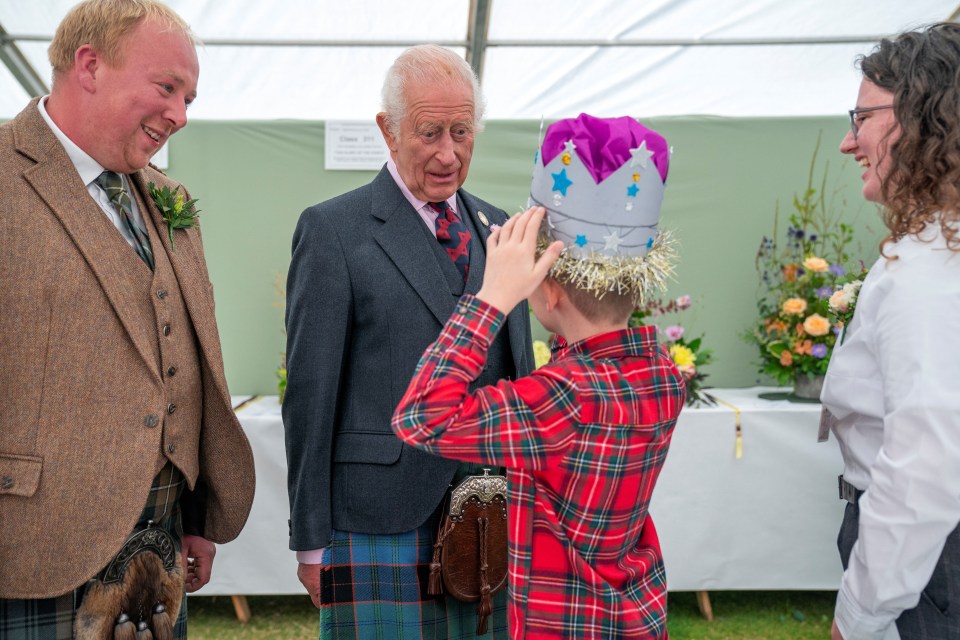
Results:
[171, 371]
[151, 420]
[166, 329]
[161, 293]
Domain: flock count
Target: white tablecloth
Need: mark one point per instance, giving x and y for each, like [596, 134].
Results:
[767, 520]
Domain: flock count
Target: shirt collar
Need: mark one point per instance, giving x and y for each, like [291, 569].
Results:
[414, 201]
[635, 341]
[88, 168]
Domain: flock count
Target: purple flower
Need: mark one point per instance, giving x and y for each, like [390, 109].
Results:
[824, 292]
[837, 270]
[836, 330]
[674, 332]
[818, 350]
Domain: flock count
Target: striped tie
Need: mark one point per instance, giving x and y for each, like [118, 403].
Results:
[453, 236]
[113, 185]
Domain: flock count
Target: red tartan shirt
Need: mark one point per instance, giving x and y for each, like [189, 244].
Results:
[584, 438]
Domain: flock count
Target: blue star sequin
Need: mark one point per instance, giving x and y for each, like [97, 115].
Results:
[633, 190]
[561, 181]
[649, 242]
[581, 241]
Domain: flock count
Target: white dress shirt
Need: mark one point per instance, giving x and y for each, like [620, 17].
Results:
[89, 170]
[894, 387]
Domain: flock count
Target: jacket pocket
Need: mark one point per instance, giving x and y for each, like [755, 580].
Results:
[19, 474]
[367, 447]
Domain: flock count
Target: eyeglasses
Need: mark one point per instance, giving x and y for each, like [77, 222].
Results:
[854, 113]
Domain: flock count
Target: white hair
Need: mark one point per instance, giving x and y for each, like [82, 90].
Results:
[421, 64]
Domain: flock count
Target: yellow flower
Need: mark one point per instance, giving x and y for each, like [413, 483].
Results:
[816, 325]
[682, 356]
[541, 353]
[794, 306]
[813, 263]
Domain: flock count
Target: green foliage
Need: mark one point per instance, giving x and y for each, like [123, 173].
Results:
[797, 277]
[688, 355]
[176, 211]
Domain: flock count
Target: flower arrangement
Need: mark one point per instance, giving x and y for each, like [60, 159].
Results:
[177, 212]
[844, 301]
[795, 334]
[690, 356]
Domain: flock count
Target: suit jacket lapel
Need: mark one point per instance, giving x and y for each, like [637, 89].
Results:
[518, 325]
[406, 245]
[56, 181]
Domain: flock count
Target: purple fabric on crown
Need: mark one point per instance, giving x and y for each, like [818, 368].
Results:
[603, 144]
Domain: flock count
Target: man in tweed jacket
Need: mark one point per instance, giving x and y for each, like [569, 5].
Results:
[113, 400]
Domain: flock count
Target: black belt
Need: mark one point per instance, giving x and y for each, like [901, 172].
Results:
[848, 492]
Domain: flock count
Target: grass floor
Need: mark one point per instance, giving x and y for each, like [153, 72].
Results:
[738, 615]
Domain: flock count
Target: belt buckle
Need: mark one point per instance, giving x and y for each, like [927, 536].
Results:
[847, 491]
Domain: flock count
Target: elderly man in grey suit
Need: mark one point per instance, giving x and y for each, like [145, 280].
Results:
[375, 274]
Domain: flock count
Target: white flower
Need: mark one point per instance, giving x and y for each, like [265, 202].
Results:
[843, 298]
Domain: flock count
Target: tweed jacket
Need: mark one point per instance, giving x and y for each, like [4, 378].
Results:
[365, 296]
[82, 393]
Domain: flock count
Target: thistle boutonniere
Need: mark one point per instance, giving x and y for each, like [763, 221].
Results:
[178, 212]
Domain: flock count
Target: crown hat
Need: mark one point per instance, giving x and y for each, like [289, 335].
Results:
[601, 181]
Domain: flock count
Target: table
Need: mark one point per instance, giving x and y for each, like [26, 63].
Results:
[765, 520]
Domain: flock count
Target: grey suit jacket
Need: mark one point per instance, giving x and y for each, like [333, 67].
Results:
[365, 296]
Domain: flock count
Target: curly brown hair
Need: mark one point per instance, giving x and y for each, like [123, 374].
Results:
[922, 70]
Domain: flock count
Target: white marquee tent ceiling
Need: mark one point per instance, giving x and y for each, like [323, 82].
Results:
[325, 59]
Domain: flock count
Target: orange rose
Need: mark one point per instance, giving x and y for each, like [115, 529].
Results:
[794, 306]
[816, 325]
[813, 263]
[786, 358]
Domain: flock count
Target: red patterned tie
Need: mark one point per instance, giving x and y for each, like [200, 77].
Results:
[453, 236]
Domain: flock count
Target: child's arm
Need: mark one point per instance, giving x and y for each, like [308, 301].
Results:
[515, 424]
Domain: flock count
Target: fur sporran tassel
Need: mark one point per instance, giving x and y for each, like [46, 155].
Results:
[161, 623]
[124, 629]
[144, 581]
[143, 631]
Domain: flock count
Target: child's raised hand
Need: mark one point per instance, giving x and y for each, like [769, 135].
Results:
[512, 271]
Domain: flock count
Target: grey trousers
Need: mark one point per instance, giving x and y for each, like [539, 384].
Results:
[937, 615]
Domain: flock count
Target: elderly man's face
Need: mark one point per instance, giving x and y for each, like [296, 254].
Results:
[435, 143]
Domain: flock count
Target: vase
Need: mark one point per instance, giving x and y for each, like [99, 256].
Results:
[806, 386]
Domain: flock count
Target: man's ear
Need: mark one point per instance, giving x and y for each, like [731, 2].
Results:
[384, 125]
[87, 63]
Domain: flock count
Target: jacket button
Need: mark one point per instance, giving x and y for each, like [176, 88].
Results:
[171, 371]
[161, 293]
[6, 483]
[171, 408]
[166, 329]
[151, 420]
[171, 448]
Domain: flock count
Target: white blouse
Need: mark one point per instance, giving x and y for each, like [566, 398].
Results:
[894, 387]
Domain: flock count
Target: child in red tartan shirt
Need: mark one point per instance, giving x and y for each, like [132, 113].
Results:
[585, 436]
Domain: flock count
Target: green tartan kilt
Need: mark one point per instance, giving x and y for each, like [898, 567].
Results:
[52, 618]
[375, 586]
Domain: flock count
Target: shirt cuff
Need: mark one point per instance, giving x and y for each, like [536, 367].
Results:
[312, 556]
[477, 318]
[854, 622]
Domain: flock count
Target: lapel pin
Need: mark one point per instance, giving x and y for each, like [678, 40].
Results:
[483, 218]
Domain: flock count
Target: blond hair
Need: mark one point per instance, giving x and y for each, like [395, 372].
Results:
[612, 307]
[104, 24]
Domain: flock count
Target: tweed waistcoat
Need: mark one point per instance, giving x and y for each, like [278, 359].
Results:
[175, 356]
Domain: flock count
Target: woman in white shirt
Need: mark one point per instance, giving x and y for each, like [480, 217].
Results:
[893, 386]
